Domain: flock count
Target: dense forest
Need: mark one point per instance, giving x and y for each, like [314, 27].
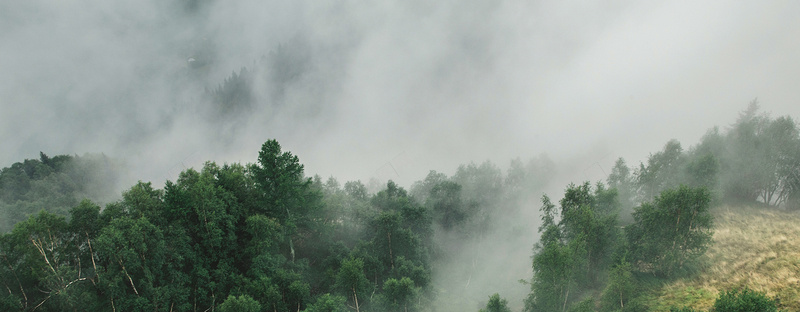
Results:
[264, 236]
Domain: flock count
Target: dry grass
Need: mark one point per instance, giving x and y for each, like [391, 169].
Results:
[754, 247]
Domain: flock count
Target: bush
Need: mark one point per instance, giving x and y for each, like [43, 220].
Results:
[744, 300]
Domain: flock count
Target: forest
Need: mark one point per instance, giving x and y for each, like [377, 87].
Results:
[266, 236]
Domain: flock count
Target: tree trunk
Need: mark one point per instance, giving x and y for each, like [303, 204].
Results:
[129, 277]
[355, 298]
[391, 258]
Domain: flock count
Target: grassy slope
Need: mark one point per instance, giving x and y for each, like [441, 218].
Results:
[756, 247]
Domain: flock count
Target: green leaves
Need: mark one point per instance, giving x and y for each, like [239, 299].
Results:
[398, 294]
[241, 303]
[574, 252]
[228, 237]
[328, 303]
[496, 304]
[672, 231]
[351, 281]
[744, 300]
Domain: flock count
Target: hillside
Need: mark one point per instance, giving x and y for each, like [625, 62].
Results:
[754, 247]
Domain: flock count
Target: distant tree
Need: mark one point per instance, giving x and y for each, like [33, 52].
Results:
[496, 304]
[664, 170]
[762, 158]
[356, 189]
[672, 231]
[422, 189]
[445, 201]
[54, 184]
[783, 160]
[623, 181]
[702, 171]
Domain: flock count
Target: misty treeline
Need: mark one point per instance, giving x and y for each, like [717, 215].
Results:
[256, 237]
[604, 246]
[265, 237]
[54, 184]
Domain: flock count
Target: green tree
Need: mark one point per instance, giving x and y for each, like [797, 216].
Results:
[42, 258]
[241, 303]
[133, 251]
[285, 191]
[621, 287]
[702, 172]
[351, 280]
[672, 231]
[328, 303]
[556, 265]
[399, 293]
[590, 218]
[445, 201]
[664, 170]
[762, 158]
[496, 304]
[623, 181]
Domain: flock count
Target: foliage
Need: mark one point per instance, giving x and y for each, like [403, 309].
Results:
[585, 305]
[621, 287]
[572, 254]
[243, 303]
[54, 184]
[398, 294]
[622, 179]
[762, 156]
[257, 236]
[264, 236]
[496, 304]
[745, 299]
[328, 303]
[351, 280]
[671, 232]
[663, 171]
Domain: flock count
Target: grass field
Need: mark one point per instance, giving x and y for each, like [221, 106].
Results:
[754, 247]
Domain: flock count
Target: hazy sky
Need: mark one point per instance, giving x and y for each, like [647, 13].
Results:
[393, 88]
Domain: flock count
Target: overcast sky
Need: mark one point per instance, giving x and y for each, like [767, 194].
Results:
[397, 88]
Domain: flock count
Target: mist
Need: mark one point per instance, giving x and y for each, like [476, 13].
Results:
[388, 90]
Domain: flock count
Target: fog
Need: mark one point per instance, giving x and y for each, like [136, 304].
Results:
[391, 89]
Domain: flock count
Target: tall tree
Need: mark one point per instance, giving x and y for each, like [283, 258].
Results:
[285, 191]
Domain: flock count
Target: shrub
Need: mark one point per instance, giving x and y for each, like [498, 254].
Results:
[744, 300]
